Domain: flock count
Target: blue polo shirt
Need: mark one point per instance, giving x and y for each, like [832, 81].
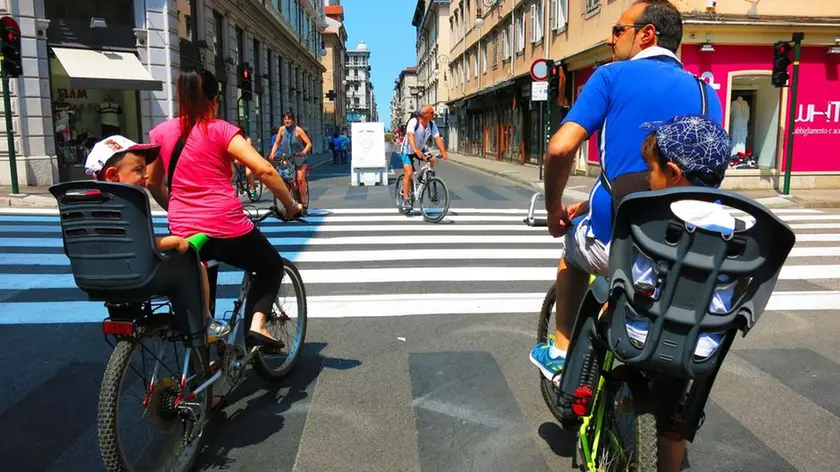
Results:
[617, 100]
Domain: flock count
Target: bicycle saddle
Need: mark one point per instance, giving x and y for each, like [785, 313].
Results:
[693, 249]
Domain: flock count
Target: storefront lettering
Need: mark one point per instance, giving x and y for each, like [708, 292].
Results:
[808, 113]
[72, 93]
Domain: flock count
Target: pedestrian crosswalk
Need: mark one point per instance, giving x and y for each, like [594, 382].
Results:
[375, 263]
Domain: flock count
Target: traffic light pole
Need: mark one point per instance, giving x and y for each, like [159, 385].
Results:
[10, 134]
[247, 111]
[797, 37]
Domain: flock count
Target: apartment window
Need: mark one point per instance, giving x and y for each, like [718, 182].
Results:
[218, 35]
[520, 32]
[271, 61]
[469, 24]
[495, 49]
[537, 14]
[188, 27]
[280, 81]
[356, 102]
[506, 44]
[592, 6]
[451, 33]
[240, 44]
[467, 65]
[475, 63]
[257, 60]
[560, 14]
[484, 58]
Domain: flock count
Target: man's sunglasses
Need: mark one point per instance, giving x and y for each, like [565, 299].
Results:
[619, 29]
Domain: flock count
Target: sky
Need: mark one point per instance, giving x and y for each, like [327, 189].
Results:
[385, 26]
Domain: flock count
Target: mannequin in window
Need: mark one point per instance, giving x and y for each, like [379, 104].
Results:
[109, 115]
[63, 121]
[740, 114]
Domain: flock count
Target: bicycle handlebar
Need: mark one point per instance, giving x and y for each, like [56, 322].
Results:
[530, 220]
[275, 212]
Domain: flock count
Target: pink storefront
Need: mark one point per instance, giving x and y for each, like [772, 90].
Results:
[756, 121]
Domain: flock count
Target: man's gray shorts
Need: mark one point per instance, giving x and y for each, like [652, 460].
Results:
[585, 252]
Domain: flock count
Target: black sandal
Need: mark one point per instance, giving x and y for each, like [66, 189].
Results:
[258, 339]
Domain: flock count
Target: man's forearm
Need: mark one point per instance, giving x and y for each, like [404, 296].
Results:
[557, 170]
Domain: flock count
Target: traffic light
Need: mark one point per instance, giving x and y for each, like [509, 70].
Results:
[245, 82]
[554, 74]
[781, 60]
[12, 64]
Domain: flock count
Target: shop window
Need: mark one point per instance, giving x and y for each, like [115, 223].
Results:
[592, 6]
[222, 110]
[753, 121]
[83, 116]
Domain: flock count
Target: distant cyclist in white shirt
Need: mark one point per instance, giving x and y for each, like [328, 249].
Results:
[417, 134]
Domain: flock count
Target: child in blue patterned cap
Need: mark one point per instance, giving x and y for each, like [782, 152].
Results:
[685, 151]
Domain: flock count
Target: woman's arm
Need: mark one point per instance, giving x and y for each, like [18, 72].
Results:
[245, 154]
[303, 137]
[276, 143]
[156, 183]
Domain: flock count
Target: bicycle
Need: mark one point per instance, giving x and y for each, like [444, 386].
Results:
[429, 187]
[244, 187]
[288, 172]
[107, 232]
[620, 393]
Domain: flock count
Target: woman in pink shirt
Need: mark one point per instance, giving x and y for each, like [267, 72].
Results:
[201, 199]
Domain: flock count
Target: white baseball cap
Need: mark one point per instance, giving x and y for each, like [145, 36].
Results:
[104, 150]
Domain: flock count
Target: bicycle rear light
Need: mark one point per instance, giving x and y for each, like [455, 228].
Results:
[118, 328]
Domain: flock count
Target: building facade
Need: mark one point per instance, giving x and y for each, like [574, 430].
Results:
[359, 89]
[335, 37]
[431, 22]
[406, 97]
[730, 45]
[97, 68]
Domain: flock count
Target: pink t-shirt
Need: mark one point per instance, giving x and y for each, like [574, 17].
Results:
[203, 199]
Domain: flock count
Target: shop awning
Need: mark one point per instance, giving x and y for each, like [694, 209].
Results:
[93, 68]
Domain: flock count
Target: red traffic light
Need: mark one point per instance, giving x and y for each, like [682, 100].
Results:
[10, 26]
[245, 73]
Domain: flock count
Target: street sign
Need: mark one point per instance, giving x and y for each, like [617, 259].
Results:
[539, 69]
[539, 91]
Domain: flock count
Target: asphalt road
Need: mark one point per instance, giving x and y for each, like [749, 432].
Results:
[417, 350]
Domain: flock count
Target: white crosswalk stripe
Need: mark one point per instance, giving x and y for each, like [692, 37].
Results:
[374, 262]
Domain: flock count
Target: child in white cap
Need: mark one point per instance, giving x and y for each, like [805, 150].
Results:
[121, 160]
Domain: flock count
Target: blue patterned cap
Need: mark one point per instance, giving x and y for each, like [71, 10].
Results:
[697, 145]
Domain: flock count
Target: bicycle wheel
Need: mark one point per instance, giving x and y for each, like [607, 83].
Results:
[286, 323]
[545, 328]
[628, 439]
[398, 187]
[434, 200]
[126, 442]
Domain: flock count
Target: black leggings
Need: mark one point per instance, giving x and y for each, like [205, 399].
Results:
[253, 253]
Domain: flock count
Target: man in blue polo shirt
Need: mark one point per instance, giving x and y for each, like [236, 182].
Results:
[645, 83]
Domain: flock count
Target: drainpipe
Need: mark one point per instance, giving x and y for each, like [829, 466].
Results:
[547, 29]
[167, 41]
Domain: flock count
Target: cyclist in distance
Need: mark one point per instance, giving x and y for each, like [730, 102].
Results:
[417, 134]
[200, 198]
[645, 83]
[294, 142]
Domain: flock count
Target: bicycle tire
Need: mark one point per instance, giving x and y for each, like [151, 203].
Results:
[427, 193]
[107, 427]
[398, 194]
[636, 437]
[281, 372]
[544, 328]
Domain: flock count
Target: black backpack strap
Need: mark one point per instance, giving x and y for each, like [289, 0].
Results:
[173, 161]
[704, 99]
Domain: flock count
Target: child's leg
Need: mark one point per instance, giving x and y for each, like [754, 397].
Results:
[205, 287]
[670, 455]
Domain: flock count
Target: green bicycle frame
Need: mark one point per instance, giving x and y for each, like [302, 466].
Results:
[598, 416]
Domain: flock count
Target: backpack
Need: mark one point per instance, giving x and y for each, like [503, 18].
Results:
[413, 115]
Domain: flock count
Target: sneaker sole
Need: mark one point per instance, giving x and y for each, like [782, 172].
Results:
[550, 376]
